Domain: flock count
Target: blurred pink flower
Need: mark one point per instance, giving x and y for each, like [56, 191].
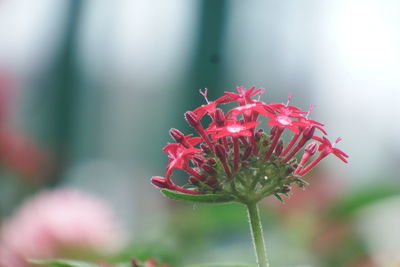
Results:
[53, 223]
[18, 151]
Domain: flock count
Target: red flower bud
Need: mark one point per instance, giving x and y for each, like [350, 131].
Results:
[258, 134]
[311, 148]
[205, 148]
[192, 119]
[247, 152]
[219, 117]
[177, 135]
[159, 181]
[211, 181]
[211, 161]
[208, 169]
[308, 133]
[279, 148]
[198, 160]
[243, 139]
[193, 180]
[273, 130]
[220, 152]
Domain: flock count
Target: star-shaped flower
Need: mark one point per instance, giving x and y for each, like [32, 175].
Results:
[178, 156]
[244, 96]
[210, 107]
[326, 148]
[284, 121]
[233, 128]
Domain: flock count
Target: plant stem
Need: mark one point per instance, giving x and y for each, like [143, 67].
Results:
[257, 234]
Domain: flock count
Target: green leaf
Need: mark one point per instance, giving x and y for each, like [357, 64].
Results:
[203, 198]
[63, 263]
[357, 200]
[279, 197]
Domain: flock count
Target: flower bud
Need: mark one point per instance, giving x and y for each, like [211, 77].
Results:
[192, 119]
[279, 148]
[273, 130]
[193, 180]
[177, 135]
[219, 118]
[211, 181]
[220, 152]
[258, 134]
[211, 161]
[198, 160]
[159, 181]
[205, 148]
[308, 133]
[311, 148]
[247, 152]
[208, 169]
[243, 139]
[229, 140]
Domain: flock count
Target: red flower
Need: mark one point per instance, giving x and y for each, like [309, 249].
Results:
[178, 156]
[325, 148]
[289, 110]
[284, 121]
[210, 107]
[231, 141]
[233, 128]
[255, 106]
[244, 96]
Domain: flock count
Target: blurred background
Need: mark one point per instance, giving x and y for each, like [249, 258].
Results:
[89, 90]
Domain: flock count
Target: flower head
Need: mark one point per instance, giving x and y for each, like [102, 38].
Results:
[230, 157]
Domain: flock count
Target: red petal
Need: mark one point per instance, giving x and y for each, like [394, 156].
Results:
[194, 140]
[340, 156]
[251, 124]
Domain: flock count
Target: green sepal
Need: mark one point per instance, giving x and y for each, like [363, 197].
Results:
[63, 263]
[201, 198]
[279, 197]
[300, 181]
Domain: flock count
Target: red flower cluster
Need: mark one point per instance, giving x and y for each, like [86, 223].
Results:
[230, 148]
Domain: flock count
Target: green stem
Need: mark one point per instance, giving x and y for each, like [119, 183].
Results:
[257, 234]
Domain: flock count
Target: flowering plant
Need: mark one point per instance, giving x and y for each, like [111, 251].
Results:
[231, 160]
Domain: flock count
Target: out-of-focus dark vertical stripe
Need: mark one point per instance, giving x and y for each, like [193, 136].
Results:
[63, 90]
[206, 70]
